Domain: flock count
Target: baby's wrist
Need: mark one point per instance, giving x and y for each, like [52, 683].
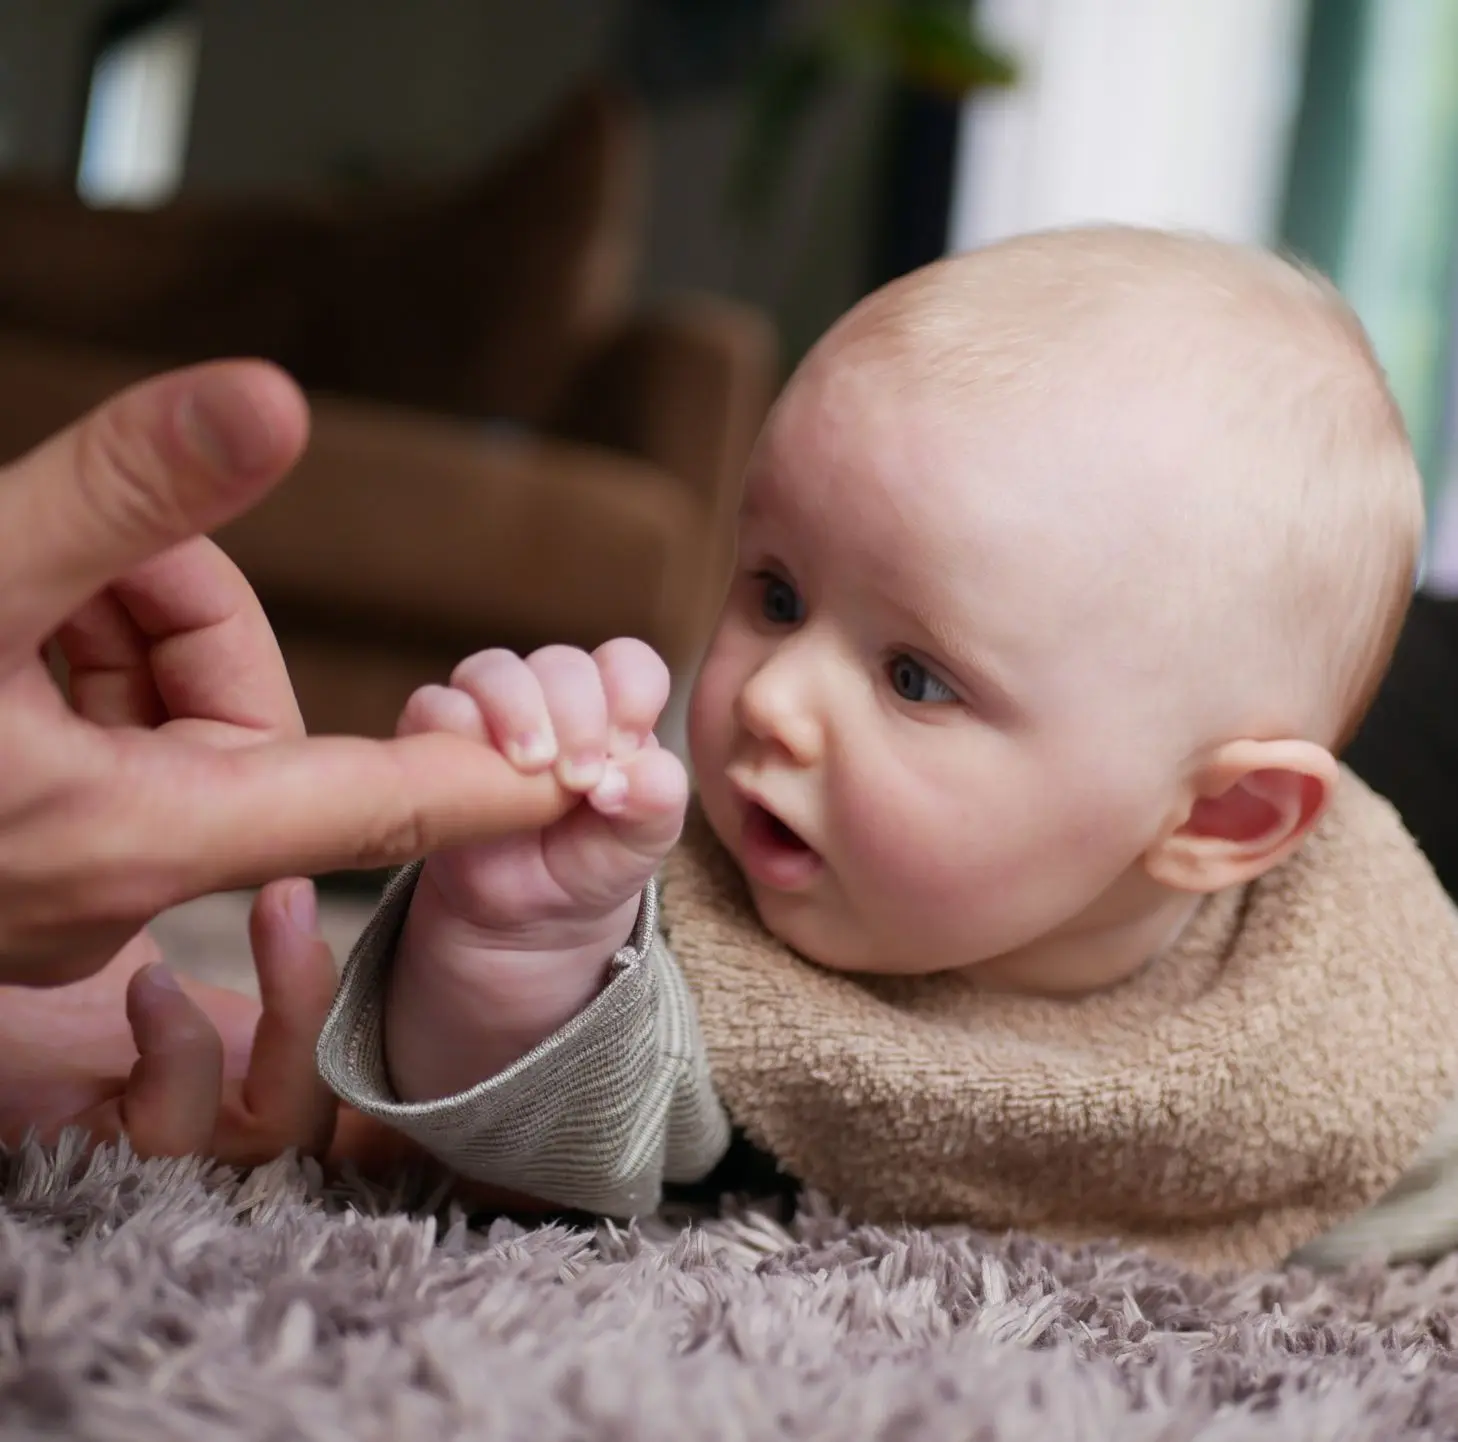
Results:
[546, 942]
[466, 1002]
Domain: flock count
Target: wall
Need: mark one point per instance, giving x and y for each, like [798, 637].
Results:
[290, 93]
[810, 261]
[295, 92]
[41, 42]
[384, 87]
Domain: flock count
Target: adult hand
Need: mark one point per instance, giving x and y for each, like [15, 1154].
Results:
[177, 1066]
[178, 766]
[181, 1068]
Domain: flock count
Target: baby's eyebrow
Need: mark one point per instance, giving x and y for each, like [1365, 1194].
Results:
[993, 693]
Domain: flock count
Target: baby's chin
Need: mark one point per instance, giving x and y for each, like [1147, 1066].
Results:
[818, 932]
[803, 924]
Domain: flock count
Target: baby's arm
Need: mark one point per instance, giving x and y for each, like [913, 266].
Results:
[581, 1080]
[505, 943]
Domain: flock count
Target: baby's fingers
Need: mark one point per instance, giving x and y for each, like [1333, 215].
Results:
[512, 707]
[548, 710]
[170, 1107]
[441, 708]
[287, 1102]
[607, 851]
[636, 684]
[573, 689]
[643, 797]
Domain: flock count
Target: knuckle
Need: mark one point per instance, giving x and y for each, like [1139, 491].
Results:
[417, 701]
[401, 832]
[567, 677]
[560, 660]
[637, 663]
[398, 840]
[427, 708]
[119, 478]
[484, 665]
[627, 650]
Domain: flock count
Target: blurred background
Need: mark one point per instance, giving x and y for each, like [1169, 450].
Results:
[542, 266]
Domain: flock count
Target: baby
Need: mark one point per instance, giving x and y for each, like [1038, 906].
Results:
[1022, 886]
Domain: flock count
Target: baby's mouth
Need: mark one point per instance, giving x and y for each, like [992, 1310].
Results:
[774, 853]
[779, 832]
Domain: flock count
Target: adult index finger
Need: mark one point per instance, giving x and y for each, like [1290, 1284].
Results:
[186, 636]
[177, 820]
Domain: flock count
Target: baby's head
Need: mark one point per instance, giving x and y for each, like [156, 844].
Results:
[1064, 569]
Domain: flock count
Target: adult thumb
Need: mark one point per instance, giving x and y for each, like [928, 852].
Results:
[173, 457]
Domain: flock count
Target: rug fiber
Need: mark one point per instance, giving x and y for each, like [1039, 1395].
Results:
[173, 1301]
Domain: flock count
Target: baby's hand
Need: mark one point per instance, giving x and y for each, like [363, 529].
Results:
[504, 943]
[591, 719]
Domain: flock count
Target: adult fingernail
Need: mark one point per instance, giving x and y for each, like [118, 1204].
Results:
[225, 428]
[303, 908]
[162, 976]
[580, 773]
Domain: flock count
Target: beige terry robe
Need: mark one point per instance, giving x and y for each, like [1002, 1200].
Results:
[1279, 1080]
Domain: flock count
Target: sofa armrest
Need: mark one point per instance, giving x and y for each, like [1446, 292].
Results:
[441, 532]
[426, 531]
[685, 385]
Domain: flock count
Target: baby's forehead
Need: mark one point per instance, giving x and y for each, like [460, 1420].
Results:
[1034, 471]
[1104, 374]
[1047, 307]
[900, 490]
[1111, 366]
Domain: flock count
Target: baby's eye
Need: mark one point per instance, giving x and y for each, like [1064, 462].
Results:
[779, 602]
[913, 682]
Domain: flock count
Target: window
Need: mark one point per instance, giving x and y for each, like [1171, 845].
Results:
[139, 106]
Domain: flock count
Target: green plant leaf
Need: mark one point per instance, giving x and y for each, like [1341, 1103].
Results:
[786, 89]
[928, 44]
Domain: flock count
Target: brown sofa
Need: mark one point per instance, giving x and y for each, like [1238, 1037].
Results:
[507, 447]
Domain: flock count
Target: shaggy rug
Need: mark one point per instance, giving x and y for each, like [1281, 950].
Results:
[173, 1300]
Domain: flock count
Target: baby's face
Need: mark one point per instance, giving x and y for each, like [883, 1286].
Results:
[929, 727]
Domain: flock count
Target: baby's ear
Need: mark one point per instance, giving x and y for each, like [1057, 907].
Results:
[1249, 807]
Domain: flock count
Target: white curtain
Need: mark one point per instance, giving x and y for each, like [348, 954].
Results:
[1160, 112]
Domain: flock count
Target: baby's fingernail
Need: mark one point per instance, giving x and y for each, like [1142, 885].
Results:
[622, 743]
[612, 790]
[162, 976]
[303, 907]
[532, 753]
[580, 773]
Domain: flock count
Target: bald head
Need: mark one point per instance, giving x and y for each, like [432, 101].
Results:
[1220, 416]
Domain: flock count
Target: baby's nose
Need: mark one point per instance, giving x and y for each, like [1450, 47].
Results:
[776, 706]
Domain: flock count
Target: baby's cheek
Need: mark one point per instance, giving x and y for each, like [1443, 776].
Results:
[936, 845]
[900, 841]
[710, 717]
